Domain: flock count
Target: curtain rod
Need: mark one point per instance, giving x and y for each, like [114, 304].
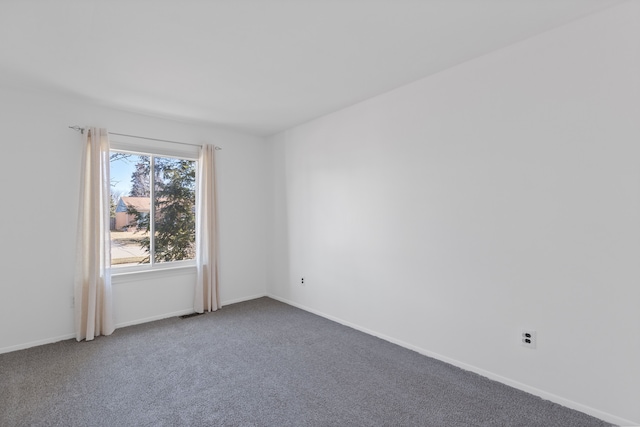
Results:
[81, 130]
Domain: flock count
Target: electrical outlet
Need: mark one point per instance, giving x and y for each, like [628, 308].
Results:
[529, 338]
[302, 281]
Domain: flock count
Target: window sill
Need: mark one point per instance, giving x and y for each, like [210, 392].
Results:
[130, 275]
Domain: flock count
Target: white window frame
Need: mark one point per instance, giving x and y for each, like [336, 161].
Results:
[143, 147]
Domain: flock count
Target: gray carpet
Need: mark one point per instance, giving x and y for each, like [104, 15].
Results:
[256, 363]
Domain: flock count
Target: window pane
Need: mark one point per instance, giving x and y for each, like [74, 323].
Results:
[130, 206]
[174, 209]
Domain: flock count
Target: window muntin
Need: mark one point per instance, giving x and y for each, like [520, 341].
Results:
[153, 213]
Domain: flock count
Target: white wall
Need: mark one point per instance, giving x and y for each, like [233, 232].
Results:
[501, 194]
[40, 185]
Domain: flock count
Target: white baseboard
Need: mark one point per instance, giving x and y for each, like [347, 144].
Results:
[507, 381]
[36, 343]
[152, 318]
[243, 299]
[182, 312]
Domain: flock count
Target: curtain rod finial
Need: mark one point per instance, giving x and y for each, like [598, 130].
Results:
[77, 129]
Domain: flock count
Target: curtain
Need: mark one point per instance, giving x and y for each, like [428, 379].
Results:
[206, 295]
[93, 300]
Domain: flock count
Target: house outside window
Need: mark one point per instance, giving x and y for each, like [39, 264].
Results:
[124, 220]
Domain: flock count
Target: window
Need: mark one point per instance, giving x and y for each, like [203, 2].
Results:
[153, 208]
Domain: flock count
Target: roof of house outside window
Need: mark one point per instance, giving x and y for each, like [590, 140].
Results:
[141, 204]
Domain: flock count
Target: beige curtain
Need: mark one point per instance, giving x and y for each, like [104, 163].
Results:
[93, 301]
[206, 296]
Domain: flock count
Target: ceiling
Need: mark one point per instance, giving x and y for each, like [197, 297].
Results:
[258, 66]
